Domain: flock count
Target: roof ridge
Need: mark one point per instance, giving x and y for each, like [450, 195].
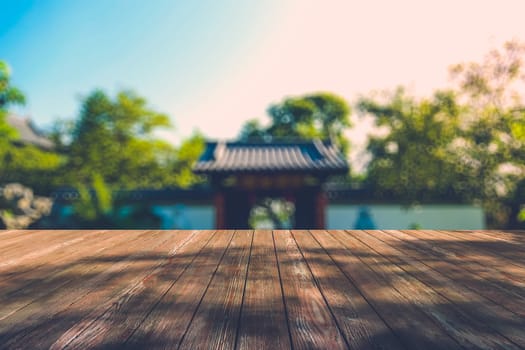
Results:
[307, 155]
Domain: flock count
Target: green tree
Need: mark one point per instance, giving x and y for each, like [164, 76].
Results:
[492, 151]
[319, 115]
[465, 144]
[111, 146]
[114, 138]
[9, 96]
[185, 157]
[411, 162]
[26, 164]
[94, 202]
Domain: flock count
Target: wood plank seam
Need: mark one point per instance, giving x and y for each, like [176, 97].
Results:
[466, 315]
[287, 316]
[457, 244]
[356, 286]
[70, 253]
[473, 290]
[494, 252]
[370, 288]
[51, 290]
[174, 281]
[181, 299]
[436, 331]
[316, 281]
[130, 289]
[243, 293]
[482, 279]
[47, 250]
[26, 332]
[205, 290]
[433, 320]
[263, 321]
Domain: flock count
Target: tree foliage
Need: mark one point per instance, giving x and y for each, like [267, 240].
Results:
[492, 150]
[320, 115]
[22, 163]
[185, 156]
[9, 96]
[467, 143]
[112, 146]
[411, 161]
[114, 138]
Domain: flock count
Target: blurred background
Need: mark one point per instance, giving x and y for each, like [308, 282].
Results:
[106, 106]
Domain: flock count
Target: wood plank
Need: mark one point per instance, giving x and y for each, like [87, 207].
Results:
[486, 282]
[108, 326]
[512, 252]
[30, 236]
[487, 265]
[7, 234]
[166, 325]
[43, 261]
[39, 309]
[43, 243]
[263, 322]
[506, 235]
[485, 252]
[312, 325]
[467, 332]
[216, 321]
[267, 290]
[128, 263]
[360, 324]
[50, 276]
[483, 314]
[413, 326]
[12, 236]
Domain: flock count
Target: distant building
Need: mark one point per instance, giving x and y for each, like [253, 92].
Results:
[28, 133]
[195, 209]
[243, 173]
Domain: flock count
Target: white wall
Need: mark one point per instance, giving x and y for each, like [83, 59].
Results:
[186, 217]
[465, 217]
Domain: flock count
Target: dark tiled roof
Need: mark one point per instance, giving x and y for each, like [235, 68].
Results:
[28, 133]
[303, 156]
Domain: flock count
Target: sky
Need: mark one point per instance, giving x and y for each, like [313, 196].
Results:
[211, 65]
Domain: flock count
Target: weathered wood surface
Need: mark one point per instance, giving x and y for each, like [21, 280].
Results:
[391, 289]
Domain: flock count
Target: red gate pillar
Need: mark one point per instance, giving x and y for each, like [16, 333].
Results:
[320, 208]
[219, 211]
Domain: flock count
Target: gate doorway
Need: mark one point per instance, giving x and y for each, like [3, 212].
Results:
[246, 174]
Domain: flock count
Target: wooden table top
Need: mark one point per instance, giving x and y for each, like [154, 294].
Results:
[262, 289]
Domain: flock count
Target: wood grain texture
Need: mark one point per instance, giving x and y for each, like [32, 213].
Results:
[312, 325]
[46, 320]
[263, 323]
[490, 282]
[509, 236]
[44, 276]
[46, 263]
[512, 251]
[360, 324]
[415, 329]
[486, 253]
[115, 319]
[480, 309]
[215, 323]
[465, 329]
[30, 246]
[165, 326]
[262, 290]
[6, 235]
